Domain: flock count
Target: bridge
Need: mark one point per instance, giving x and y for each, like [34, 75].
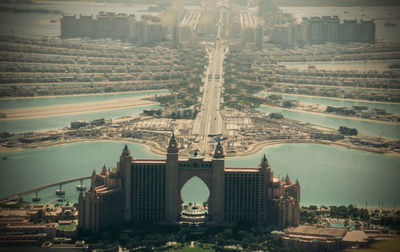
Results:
[58, 192]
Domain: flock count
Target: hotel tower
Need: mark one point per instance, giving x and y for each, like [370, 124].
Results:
[149, 190]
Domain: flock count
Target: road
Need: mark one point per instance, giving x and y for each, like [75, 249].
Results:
[208, 122]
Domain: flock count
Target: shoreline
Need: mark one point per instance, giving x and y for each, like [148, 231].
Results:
[335, 116]
[337, 87]
[76, 108]
[98, 3]
[331, 98]
[261, 145]
[338, 6]
[78, 95]
[156, 149]
[355, 61]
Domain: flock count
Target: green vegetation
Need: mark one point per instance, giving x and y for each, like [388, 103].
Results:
[309, 215]
[312, 214]
[187, 89]
[239, 86]
[349, 212]
[69, 227]
[197, 248]
[155, 237]
[39, 217]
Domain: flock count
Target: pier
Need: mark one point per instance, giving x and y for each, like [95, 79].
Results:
[59, 191]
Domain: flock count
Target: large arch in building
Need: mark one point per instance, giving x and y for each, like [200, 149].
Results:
[195, 167]
[139, 190]
[179, 171]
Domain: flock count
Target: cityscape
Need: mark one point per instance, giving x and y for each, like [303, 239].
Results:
[226, 125]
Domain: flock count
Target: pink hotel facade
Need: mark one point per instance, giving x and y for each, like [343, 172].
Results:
[140, 190]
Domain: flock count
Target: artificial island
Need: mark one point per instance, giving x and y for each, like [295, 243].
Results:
[232, 79]
[225, 74]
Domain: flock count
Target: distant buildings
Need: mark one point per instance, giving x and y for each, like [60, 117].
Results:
[112, 25]
[316, 30]
[32, 225]
[80, 123]
[149, 190]
[316, 239]
[259, 37]
[188, 26]
[248, 23]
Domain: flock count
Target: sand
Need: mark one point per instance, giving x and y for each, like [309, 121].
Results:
[90, 94]
[336, 116]
[331, 98]
[161, 150]
[77, 108]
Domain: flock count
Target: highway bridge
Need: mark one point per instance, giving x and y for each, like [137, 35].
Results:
[58, 192]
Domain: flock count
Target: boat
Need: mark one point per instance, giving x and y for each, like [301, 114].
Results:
[389, 24]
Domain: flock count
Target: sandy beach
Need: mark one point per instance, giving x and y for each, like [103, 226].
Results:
[161, 150]
[331, 98]
[336, 116]
[351, 65]
[333, 87]
[91, 94]
[78, 108]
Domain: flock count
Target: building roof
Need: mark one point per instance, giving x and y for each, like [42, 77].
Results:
[355, 236]
[149, 161]
[103, 189]
[229, 169]
[14, 213]
[316, 231]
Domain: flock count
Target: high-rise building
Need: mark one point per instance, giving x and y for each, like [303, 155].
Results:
[149, 190]
[112, 25]
[259, 37]
[317, 30]
[175, 36]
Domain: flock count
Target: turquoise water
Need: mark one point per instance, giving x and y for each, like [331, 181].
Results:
[27, 169]
[390, 108]
[328, 175]
[345, 88]
[62, 100]
[336, 225]
[377, 129]
[370, 90]
[45, 123]
[332, 176]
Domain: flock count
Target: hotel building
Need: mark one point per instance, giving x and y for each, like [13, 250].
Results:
[149, 190]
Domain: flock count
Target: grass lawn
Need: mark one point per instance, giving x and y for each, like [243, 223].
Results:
[392, 245]
[66, 227]
[195, 249]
